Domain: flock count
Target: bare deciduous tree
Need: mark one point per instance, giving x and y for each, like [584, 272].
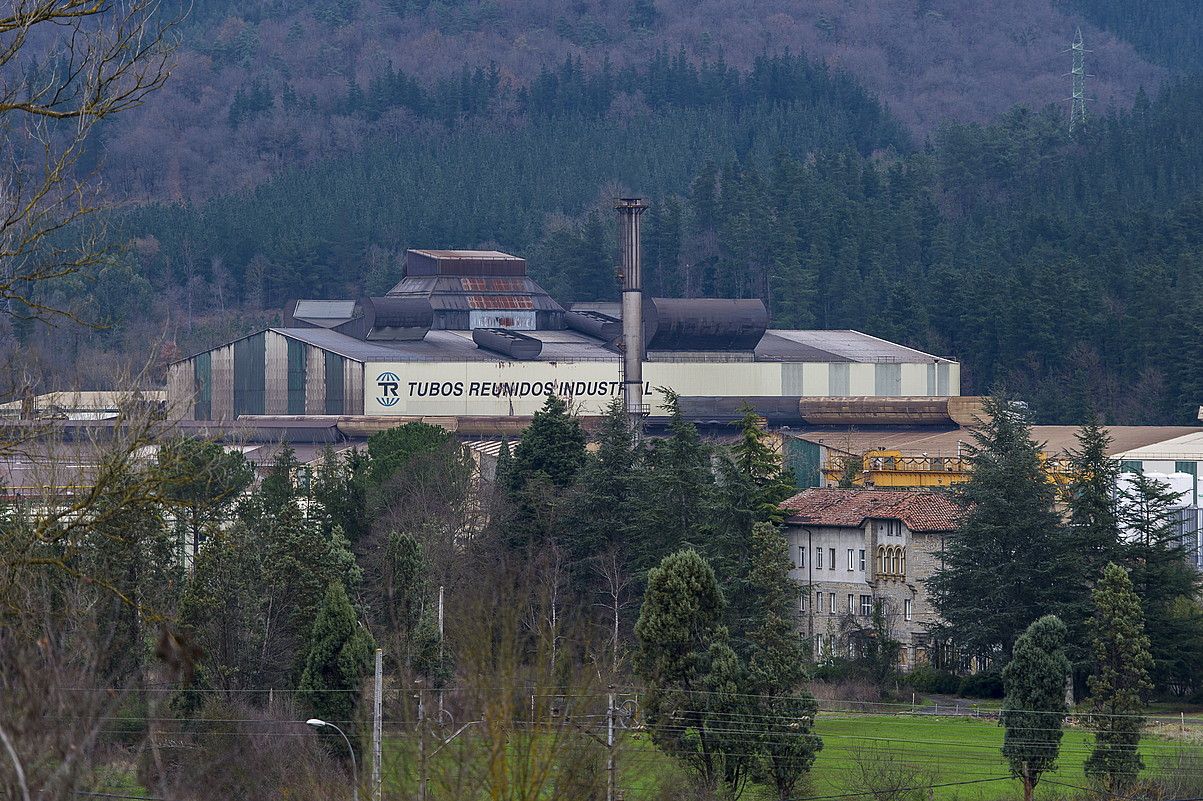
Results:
[67, 65]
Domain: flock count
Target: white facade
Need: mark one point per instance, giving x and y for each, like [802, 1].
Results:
[489, 388]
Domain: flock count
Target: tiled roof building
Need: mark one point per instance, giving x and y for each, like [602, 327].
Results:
[855, 549]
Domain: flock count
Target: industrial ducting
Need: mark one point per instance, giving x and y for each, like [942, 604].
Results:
[594, 324]
[704, 324]
[396, 319]
[507, 343]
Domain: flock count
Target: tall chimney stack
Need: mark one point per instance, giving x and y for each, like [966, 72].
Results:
[629, 209]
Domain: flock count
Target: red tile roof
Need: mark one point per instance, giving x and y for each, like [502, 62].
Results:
[920, 510]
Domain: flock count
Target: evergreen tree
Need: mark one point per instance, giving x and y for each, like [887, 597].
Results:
[340, 492]
[543, 470]
[784, 710]
[1034, 707]
[679, 624]
[338, 657]
[1156, 556]
[1121, 675]
[1093, 532]
[1008, 561]
[674, 499]
[553, 446]
[603, 514]
[202, 481]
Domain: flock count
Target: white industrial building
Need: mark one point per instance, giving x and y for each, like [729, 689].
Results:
[469, 334]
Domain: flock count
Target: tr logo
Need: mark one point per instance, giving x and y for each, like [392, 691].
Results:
[388, 383]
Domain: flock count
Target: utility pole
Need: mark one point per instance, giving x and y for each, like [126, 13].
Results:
[421, 747]
[440, 654]
[1077, 101]
[377, 724]
[610, 767]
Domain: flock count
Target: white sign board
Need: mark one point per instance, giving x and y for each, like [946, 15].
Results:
[521, 388]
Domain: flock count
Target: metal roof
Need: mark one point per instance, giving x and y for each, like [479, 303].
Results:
[569, 345]
[1054, 440]
[324, 309]
[1187, 447]
[854, 346]
[466, 254]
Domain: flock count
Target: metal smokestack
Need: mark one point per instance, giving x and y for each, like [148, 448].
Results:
[629, 209]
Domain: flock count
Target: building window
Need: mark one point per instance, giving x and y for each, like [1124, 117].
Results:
[802, 602]
[831, 562]
[819, 558]
[866, 605]
[818, 646]
[831, 599]
[818, 601]
[906, 609]
[801, 556]
[851, 559]
[861, 561]
[851, 604]
[896, 562]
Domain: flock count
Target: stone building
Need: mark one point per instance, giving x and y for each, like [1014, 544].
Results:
[855, 547]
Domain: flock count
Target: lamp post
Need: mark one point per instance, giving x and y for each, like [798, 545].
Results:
[317, 724]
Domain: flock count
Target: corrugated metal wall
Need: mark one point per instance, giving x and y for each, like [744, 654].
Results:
[335, 384]
[352, 387]
[315, 380]
[297, 363]
[222, 406]
[276, 373]
[250, 375]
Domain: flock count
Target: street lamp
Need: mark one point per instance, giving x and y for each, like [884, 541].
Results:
[317, 723]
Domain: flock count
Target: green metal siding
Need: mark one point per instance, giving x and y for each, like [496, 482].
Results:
[802, 459]
[250, 375]
[334, 383]
[202, 382]
[296, 377]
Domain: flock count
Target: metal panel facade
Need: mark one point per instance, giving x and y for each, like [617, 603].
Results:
[315, 380]
[250, 375]
[223, 382]
[335, 384]
[296, 377]
[276, 365]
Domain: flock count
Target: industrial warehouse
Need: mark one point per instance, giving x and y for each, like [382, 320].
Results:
[470, 334]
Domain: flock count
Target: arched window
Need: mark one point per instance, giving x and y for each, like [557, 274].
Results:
[897, 561]
[902, 571]
[882, 564]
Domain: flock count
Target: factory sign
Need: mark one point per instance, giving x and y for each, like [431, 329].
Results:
[521, 388]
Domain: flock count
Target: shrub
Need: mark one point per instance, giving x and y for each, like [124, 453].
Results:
[987, 684]
[927, 679]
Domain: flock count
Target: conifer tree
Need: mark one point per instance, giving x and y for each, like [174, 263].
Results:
[1034, 707]
[674, 500]
[677, 627]
[783, 709]
[339, 653]
[1008, 561]
[1157, 558]
[1121, 675]
[603, 514]
[544, 467]
[1093, 532]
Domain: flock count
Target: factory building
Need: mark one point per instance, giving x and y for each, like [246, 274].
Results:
[470, 334]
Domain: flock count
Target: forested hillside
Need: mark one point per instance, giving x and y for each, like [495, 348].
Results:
[1166, 32]
[264, 85]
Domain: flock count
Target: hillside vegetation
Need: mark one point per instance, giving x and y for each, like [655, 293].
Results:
[1041, 260]
[264, 85]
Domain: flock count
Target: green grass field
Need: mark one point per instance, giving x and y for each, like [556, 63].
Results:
[944, 750]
